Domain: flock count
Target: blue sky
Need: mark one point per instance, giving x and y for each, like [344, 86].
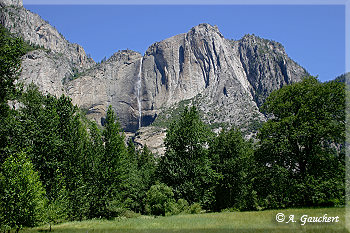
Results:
[313, 35]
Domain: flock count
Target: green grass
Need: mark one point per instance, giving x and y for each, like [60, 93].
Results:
[253, 221]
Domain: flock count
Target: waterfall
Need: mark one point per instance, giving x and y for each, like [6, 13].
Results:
[138, 88]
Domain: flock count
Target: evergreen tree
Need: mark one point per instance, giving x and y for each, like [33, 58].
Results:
[57, 141]
[73, 150]
[146, 167]
[39, 132]
[93, 173]
[132, 181]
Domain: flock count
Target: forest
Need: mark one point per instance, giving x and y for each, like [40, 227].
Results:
[56, 165]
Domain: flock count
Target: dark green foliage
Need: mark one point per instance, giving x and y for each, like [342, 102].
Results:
[40, 128]
[115, 148]
[11, 51]
[186, 165]
[343, 78]
[22, 197]
[133, 180]
[58, 143]
[301, 146]
[144, 175]
[234, 162]
[93, 173]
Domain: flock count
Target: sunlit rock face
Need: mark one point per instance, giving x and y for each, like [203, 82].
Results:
[55, 60]
[227, 79]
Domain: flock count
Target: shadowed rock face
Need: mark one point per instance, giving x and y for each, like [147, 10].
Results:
[228, 79]
[267, 66]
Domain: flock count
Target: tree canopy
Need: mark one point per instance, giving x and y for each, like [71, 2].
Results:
[302, 143]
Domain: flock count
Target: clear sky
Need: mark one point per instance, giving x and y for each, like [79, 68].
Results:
[313, 35]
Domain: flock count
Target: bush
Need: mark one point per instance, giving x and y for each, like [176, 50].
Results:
[182, 206]
[174, 208]
[171, 208]
[125, 213]
[195, 208]
[159, 199]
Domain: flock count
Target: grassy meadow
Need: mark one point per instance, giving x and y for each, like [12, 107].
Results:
[252, 221]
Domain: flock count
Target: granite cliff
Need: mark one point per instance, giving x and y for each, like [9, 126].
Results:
[55, 61]
[227, 79]
[16, 3]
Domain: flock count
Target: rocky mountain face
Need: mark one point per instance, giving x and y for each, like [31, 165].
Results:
[113, 82]
[267, 66]
[17, 3]
[227, 79]
[55, 61]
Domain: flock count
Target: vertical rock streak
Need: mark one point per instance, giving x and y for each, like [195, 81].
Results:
[138, 88]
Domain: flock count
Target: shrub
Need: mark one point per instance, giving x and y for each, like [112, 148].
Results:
[195, 208]
[158, 199]
[182, 206]
[171, 208]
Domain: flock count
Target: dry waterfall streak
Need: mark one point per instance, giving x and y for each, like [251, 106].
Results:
[138, 86]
